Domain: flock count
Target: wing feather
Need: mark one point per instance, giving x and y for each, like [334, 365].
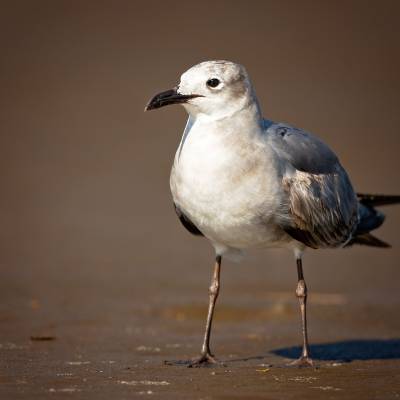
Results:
[186, 222]
[322, 208]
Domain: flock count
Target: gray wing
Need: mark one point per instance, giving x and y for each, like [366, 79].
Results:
[322, 208]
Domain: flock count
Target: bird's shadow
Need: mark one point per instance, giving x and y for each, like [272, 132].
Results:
[348, 350]
[344, 351]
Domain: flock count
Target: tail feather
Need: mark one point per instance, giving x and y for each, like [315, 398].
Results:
[370, 218]
[367, 239]
[376, 200]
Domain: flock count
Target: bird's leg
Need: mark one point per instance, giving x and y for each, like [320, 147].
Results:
[301, 293]
[206, 358]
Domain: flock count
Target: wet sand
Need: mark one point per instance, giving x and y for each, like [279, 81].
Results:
[110, 339]
[99, 283]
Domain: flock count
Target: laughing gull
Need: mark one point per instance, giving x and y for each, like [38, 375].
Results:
[243, 181]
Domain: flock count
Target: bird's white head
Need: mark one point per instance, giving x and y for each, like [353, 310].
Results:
[214, 89]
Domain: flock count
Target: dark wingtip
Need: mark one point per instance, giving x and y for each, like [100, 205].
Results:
[369, 240]
[378, 199]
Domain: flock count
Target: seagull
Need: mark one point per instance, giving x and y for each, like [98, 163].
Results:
[243, 181]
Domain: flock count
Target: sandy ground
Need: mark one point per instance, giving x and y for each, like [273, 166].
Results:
[108, 338]
[99, 283]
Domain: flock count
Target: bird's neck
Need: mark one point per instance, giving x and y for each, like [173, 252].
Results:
[243, 126]
[247, 117]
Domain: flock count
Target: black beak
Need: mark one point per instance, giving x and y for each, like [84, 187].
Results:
[169, 97]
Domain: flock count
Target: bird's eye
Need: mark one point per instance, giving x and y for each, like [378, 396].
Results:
[214, 82]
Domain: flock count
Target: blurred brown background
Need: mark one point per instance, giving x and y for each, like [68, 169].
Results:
[87, 224]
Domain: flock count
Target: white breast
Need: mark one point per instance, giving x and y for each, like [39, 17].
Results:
[227, 185]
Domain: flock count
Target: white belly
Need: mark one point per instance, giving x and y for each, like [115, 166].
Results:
[229, 189]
